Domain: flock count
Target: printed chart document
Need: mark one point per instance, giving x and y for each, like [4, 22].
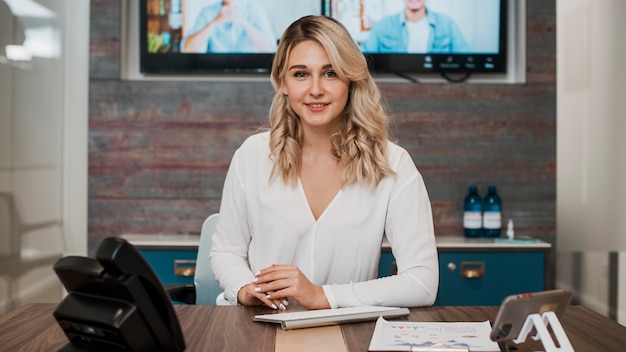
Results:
[432, 336]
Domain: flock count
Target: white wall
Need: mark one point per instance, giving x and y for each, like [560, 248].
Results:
[591, 158]
[43, 153]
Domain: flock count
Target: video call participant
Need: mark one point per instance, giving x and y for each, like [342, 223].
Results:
[305, 205]
[416, 29]
[230, 26]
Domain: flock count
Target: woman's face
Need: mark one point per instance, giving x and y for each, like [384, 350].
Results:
[312, 87]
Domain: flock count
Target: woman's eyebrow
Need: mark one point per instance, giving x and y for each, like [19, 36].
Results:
[301, 67]
[297, 66]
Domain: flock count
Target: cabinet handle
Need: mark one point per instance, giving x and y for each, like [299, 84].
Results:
[184, 267]
[472, 270]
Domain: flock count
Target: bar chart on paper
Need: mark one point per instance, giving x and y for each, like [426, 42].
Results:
[409, 336]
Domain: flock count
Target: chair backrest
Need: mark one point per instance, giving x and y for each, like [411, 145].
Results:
[207, 288]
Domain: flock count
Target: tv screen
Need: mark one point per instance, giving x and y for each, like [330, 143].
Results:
[422, 36]
[183, 36]
[203, 36]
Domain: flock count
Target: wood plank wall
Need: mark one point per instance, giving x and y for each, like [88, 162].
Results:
[158, 151]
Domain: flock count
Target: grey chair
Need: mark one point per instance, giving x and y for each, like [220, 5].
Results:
[204, 289]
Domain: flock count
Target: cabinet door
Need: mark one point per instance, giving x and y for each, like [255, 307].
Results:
[486, 278]
[172, 266]
[387, 264]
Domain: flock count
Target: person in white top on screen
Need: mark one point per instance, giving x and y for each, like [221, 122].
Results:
[416, 29]
[305, 205]
[230, 26]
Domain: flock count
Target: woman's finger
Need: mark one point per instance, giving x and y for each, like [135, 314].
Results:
[273, 303]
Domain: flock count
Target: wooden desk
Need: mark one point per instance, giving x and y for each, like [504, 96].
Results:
[216, 328]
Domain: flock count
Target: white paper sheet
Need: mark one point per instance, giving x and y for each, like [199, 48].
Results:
[413, 336]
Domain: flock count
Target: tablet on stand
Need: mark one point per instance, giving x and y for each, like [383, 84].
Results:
[520, 315]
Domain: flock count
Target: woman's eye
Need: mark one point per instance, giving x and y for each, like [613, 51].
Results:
[330, 74]
[300, 74]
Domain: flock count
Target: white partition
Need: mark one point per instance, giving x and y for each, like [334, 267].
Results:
[43, 145]
[591, 163]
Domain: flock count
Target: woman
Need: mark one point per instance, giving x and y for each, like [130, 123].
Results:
[305, 205]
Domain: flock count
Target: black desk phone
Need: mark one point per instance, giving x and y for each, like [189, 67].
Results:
[115, 302]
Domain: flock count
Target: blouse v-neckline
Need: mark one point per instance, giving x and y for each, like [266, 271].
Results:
[308, 205]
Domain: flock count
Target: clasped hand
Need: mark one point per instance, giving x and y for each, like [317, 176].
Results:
[273, 286]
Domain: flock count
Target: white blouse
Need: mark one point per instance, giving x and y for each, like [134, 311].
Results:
[263, 223]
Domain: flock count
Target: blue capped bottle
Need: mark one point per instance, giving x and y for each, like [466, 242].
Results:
[472, 213]
[492, 213]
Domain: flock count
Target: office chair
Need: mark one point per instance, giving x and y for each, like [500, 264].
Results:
[204, 289]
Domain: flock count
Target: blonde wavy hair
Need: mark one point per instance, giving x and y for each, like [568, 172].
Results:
[361, 142]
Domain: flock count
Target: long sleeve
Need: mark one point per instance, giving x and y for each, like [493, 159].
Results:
[229, 253]
[409, 230]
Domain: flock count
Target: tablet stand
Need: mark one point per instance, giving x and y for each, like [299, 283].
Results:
[541, 323]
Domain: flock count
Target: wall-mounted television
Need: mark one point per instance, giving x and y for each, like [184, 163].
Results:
[209, 36]
[454, 36]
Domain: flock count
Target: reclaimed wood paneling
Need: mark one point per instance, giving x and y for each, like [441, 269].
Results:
[159, 151]
[104, 39]
[462, 134]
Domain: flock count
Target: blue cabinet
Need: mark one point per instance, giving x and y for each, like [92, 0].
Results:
[172, 257]
[472, 272]
[172, 266]
[485, 278]
[481, 272]
[387, 263]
